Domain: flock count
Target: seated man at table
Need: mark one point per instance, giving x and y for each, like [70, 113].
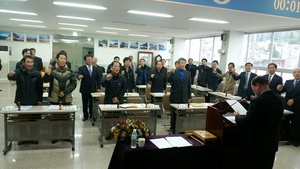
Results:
[29, 92]
[62, 83]
[115, 87]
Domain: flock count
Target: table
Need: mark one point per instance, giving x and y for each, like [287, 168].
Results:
[200, 91]
[150, 157]
[49, 124]
[222, 96]
[109, 114]
[183, 109]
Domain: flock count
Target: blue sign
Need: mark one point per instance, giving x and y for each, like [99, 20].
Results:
[286, 8]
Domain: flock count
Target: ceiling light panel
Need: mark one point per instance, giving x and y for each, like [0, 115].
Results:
[72, 29]
[75, 17]
[208, 20]
[77, 5]
[71, 24]
[17, 12]
[118, 29]
[25, 20]
[34, 26]
[149, 13]
[106, 32]
[138, 35]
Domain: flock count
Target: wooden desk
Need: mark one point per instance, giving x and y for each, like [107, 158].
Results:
[109, 114]
[150, 157]
[43, 127]
[222, 96]
[183, 109]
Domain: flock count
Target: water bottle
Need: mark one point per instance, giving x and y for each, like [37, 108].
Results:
[133, 139]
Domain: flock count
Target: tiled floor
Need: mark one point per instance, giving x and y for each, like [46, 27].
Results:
[87, 154]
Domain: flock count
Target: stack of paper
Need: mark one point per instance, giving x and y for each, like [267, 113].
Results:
[170, 142]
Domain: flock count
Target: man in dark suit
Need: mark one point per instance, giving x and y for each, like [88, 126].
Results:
[292, 103]
[90, 82]
[214, 81]
[25, 52]
[262, 122]
[191, 68]
[274, 80]
[180, 81]
[245, 90]
[38, 62]
[203, 70]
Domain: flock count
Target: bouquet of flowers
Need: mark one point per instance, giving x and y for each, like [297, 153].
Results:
[124, 128]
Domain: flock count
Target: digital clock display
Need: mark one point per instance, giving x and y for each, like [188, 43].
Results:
[288, 5]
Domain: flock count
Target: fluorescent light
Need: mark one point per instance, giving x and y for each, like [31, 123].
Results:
[118, 29]
[150, 13]
[75, 17]
[35, 26]
[71, 24]
[72, 29]
[17, 12]
[69, 40]
[208, 20]
[107, 32]
[25, 20]
[79, 5]
[138, 35]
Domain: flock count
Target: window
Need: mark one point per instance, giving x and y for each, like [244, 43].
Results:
[217, 46]
[207, 48]
[195, 49]
[286, 49]
[187, 48]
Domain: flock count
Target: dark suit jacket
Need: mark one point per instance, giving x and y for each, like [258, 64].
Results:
[214, 81]
[180, 90]
[276, 80]
[263, 121]
[38, 63]
[89, 84]
[292, 93]
[193, 70]
[242, 78]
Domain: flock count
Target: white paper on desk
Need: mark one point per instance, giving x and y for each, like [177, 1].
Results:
[178, 141]
[25, 107]
[237, 107]
[140, 105]
[230, 117]
[53, 107]
[161, 143]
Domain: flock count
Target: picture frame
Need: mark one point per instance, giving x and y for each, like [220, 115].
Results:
[44, 38]
[162, 46]
[6, 36]
[148, 56]
[102, 43]
[124, 44]
[152, 46]
[143, 45]
[113, 43]
[31, 37]
[18, 37]
[133, 45]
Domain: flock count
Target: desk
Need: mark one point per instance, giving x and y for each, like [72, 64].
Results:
[150, 157]
[109, 114]
[222, 96]
[183, 109]
[48, 126]
[200, 91]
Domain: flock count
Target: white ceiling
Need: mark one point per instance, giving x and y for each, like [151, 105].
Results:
[157, 28]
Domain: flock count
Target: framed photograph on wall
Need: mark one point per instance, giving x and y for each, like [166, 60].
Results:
[44, 38]
[148, 56]
[102, 43]
[31, 37]
[152, 46]
[162, 46]
[113, 43]
[123, 44]
[143, 45]
[18, 37]
[5, 36]
[133, 45]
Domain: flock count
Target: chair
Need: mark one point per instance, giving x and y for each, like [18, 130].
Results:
[135, 100]
[147, 93]
[166, 108]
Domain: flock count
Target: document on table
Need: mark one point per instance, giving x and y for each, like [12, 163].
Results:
[230, 117]
[25, 107]
[170, 142]
[178, 141]
[237, 107]
[161, 143]
[53, 107]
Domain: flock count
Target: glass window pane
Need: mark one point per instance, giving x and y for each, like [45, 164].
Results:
[195, 49]
[206, 48]
[187, 48]
[286, 49]
[261, 72]
[259, 49]
[287, 76]
[217, 46]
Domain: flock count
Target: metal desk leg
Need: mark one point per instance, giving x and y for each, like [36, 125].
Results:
[176, 120]
[101, 128]
[7, 144]
[155, 121]
[73, 141]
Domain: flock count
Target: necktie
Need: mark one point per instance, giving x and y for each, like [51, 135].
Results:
[246, 81]
[90, 71]
[295, 83]
[270, 78]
